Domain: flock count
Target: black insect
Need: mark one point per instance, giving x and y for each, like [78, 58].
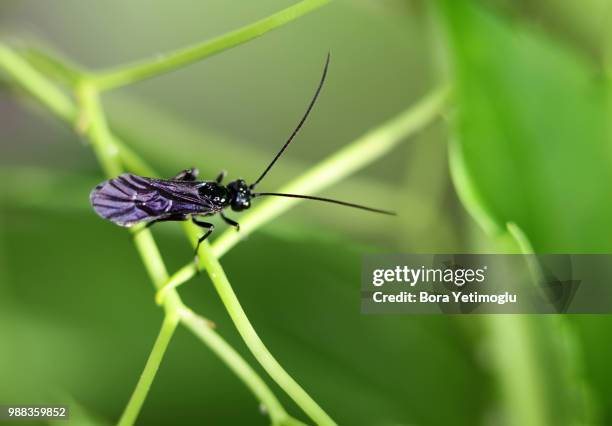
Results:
[130, 199]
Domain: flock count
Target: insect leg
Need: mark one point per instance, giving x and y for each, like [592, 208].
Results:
[221, 176]
[187, 175]
[209, 227]
[231, 222]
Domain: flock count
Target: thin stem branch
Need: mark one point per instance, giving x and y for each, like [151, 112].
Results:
[148, 374]
[157, 271]
[92, 122]
[52, 65]
[238, 365]
[129, 74]
[363, 151]
[37, 85]
[252, 340]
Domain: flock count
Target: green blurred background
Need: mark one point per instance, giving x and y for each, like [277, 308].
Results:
[527, 138]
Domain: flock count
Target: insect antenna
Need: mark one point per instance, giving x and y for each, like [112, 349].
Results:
[299, 126]
[327, 200]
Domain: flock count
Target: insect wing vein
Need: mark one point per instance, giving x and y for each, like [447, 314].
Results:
[129, 199]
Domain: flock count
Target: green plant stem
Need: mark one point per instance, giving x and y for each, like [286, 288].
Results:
[52, 65]
[238, 365]
[202, 329]
[92, 122]
[37, 85]
[348, 160]
[148, 374]
[252, 340]
[129, 74]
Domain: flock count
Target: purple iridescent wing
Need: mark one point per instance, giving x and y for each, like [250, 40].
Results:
[129, 199]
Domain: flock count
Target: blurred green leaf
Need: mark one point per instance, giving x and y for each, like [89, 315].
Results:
[531, 148]
[531, 128]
